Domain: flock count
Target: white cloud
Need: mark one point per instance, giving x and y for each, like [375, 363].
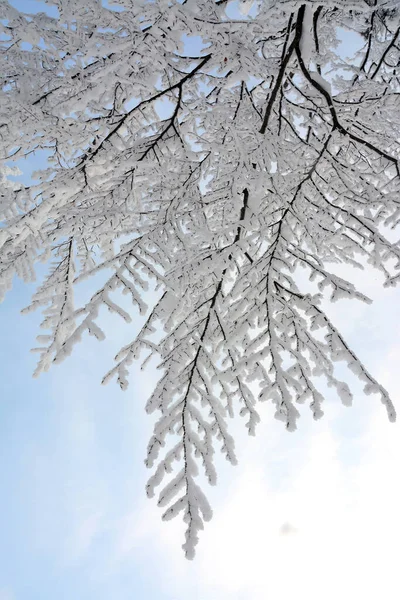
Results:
[346, 521]
[326, 527]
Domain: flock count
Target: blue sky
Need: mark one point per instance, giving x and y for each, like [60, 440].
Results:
[320, 503]
[312, 514]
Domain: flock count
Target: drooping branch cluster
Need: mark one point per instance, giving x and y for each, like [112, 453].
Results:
[215, 153]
